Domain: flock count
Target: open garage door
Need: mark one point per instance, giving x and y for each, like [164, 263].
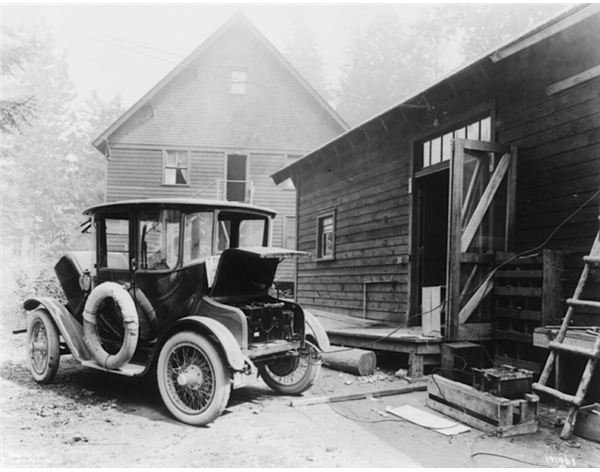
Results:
[481, 223]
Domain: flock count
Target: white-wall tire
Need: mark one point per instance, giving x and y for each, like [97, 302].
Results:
[130, 325]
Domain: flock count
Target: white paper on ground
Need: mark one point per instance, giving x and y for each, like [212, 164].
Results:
[428, 420]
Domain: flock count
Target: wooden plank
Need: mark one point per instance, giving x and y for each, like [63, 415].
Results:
[485, 146]
[484, 202]
[519, 291]
[475, 331]
[519, 274]
[515, 313]
[454, 238]
[417, 387]
[465, 396]
[573, 80]
[551, 287]
[511, 201]
[511, 335]
[544, 33]
[484, 289]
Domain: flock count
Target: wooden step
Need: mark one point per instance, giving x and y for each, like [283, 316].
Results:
[580, 351]
[572, 399]
[583, 303]
[592, 260]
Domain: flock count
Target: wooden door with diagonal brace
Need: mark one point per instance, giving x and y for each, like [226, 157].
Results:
[481, 223]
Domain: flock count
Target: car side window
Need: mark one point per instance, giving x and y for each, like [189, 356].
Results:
[159, 239]
[116, 243]
[197, 237]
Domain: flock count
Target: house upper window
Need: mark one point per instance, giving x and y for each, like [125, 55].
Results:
[176, 168]
[326, 236]
[238, 82]
[439, 148]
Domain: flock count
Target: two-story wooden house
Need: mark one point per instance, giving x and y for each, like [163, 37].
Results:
[217, 126]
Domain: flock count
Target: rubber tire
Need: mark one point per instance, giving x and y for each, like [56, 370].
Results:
[222, 378]
[48, 373]
[303, 384]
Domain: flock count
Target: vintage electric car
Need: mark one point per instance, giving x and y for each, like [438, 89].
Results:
[183, 288]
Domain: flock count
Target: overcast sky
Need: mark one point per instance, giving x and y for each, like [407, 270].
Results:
[126, 49]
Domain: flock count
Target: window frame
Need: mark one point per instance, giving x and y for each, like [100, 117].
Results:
[166, 166]
[290, 222]
[235, 82]
[320, 233]
[462, 120]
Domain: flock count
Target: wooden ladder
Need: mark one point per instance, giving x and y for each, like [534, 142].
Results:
[556, 346]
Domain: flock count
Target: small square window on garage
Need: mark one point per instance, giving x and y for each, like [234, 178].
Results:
[326, 236]
[176, 168]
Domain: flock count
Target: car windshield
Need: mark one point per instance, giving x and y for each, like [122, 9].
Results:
[241, 230]
[159, 239]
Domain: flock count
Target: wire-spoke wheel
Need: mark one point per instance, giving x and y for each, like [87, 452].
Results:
[292, 375]
[43, 348]
[192, 379]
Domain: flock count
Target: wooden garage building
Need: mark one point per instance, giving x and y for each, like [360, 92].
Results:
[420, 204]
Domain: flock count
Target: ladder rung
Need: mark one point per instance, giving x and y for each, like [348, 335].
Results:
[557, 394]
[591, 259]
[583, 303]
[572, 349]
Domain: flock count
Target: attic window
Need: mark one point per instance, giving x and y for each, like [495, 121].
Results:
[238, 82]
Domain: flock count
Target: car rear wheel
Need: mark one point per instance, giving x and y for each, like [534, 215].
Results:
[294, 374]
[192, 379]
[43, 348]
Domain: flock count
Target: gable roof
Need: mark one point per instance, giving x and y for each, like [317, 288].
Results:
[239, 18]
[549, 27]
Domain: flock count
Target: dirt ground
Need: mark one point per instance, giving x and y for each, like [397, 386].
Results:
[88, 418]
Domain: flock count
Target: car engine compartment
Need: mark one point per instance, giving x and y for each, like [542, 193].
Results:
[270, 319]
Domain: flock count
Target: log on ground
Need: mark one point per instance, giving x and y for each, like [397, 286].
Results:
[353, 361]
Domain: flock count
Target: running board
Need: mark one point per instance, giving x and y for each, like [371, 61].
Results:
[129, 370]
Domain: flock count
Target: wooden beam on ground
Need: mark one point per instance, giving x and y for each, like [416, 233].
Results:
[418, 387]
[353, 361]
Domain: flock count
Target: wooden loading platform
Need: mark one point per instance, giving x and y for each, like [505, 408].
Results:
[423, 351]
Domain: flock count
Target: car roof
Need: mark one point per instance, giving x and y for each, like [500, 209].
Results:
[185, 202]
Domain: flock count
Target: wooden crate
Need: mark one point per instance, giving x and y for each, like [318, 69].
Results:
[482, 410]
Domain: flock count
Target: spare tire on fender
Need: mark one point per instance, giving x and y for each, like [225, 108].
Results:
[130, 325]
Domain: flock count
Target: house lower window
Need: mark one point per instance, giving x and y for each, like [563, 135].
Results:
[176, 168]
[326, 236]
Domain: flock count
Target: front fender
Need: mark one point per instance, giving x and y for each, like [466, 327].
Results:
[315, 328]
[228, 344]
[70, 329]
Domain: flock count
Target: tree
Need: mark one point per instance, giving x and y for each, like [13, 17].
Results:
[49, 169]
[14, 111]
[390, 62]
[481, 27]
[302, 51]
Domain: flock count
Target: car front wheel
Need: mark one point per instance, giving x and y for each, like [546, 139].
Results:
[294, 374]
[192, 379]
[43, 348]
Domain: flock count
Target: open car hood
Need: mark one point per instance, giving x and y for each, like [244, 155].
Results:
[248, 271]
